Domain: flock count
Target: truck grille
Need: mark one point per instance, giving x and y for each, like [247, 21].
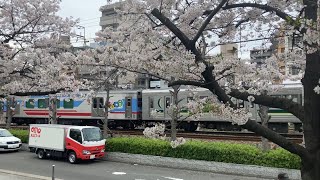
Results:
[95, 152]
[13, 142]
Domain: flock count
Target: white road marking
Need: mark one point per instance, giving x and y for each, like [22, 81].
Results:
[119, 173]
[172, 178]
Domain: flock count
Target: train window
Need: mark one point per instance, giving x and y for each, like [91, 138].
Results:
[58, 103]
[68, 103]
[189, 99]
[95, 103]
[42, 103]
[300, 99]
[30, 103]
[168, 102]
[241, 104]
[295, 98]
[1, 106]
[129, 102]
[139, 102]
[100, 102]
[234, 100]
[151, 102]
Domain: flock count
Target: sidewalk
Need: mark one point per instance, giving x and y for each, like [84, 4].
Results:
[14, 175]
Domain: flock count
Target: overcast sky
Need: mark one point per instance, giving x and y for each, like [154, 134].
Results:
[88, 13]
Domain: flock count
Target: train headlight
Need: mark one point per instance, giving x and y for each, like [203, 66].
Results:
[102, 150]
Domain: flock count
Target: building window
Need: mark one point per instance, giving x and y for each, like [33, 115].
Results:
[141, 82]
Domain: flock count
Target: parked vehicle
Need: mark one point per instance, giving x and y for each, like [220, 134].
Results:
[71, 142]
[8, 142]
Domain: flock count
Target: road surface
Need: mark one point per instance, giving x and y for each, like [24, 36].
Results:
[27, 162]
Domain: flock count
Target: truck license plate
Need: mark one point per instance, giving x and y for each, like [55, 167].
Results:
[13, 146]
[92, 156]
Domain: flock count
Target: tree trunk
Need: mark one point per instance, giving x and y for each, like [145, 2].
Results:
[311, 168]
[106, 114]
[263, 114]
[175, 112]
[53, 110]
[9, 112]
[311, 126]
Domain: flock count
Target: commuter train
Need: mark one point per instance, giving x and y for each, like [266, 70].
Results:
[131, 108]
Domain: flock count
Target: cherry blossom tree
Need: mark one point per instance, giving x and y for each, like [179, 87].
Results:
[33, 59]
[173, 37]
[108, 58]
[30, 46]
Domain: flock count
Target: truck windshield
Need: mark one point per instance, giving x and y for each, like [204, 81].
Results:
[92, 134]
[5, 133]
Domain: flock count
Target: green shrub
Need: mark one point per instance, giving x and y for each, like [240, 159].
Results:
[22, 134]
[208, 151]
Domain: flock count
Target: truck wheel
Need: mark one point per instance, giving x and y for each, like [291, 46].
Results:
[41, 154]
[72, 157]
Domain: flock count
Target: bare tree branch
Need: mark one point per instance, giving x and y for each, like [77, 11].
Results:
[186, 82]
[207, 21]
[277, 138]
[267, 8]
[166, 21]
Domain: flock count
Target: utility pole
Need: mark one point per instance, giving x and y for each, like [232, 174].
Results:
[82, 36]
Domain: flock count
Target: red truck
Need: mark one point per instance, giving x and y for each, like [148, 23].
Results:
[71, 142]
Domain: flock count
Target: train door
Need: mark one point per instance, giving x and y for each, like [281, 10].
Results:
[156, 107]
[167, 106]
[128, 107]
[97, 107]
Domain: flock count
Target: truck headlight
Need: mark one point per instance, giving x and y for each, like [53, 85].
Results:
[2, 142]
[86, 152]
[102, 150]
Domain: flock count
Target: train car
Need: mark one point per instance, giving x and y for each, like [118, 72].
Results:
[158, 101]
[129, 109]
[124, 107]
[282, 121]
